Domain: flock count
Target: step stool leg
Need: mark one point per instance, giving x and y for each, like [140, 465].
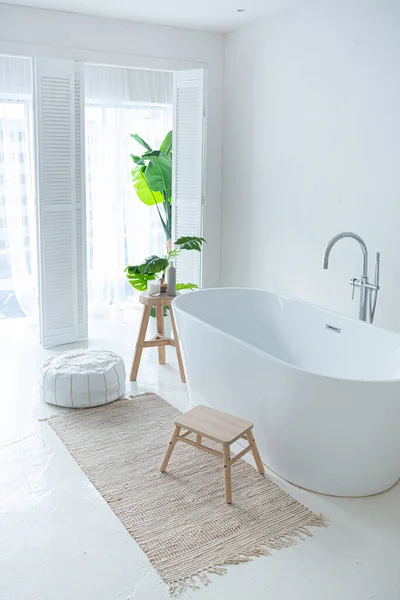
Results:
[171, 446]
[140, 342]
[198, 438]
[227, 473]
[160, 331]
[254, 449]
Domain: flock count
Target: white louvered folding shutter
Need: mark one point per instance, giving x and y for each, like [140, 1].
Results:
[187, 185]
[81, 199]
[61, 201]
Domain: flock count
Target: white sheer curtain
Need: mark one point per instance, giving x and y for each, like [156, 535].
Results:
[121, 229]
[18, 279]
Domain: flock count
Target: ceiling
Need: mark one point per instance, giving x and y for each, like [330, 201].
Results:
[210, 15]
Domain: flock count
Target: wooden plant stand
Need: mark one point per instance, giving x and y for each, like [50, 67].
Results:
[159, 340]
[220, 427]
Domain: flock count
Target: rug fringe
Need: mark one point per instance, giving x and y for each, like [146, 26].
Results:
[197, 580]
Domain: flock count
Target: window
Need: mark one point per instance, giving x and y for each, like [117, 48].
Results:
[114, 212]
[107, 218]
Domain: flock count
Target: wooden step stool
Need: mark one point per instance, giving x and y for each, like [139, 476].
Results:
[159, 341]
[220, 427]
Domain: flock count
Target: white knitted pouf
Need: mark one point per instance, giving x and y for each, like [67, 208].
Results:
[82, 378]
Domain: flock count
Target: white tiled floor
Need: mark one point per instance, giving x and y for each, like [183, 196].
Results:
[60, 541]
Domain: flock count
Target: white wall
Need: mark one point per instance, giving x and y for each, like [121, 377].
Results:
[312, 148]
[29, 32]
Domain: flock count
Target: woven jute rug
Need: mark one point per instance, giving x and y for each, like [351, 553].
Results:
[179, 518]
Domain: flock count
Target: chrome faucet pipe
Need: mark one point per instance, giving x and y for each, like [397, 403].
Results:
[367, 305]
[372, 302]
[355, 236]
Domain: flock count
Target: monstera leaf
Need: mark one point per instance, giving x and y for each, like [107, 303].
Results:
[186, 286]
[154, 264]
[189, 242]
[137, 279]
[139, 275]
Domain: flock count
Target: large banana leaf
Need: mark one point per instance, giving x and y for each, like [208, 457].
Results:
[141, 141]
[159, 172]
[166, 145]
[138, 160]
[146, 194]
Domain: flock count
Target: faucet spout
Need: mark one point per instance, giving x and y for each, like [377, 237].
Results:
[348, 234]
[367, 305]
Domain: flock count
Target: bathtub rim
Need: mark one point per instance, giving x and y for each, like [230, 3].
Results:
[177, 299]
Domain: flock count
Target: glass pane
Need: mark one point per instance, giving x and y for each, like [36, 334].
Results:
[17, 212]
[121, 229]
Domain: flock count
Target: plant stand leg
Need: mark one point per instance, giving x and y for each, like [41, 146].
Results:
[177, 347]
[140, 342]
[160, 331]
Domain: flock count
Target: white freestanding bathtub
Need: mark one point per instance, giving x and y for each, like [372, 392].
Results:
[323, 390]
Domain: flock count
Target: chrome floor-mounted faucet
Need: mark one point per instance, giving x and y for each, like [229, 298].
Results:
[368, 291]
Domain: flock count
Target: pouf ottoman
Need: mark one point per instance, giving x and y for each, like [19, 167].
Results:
[82, 378]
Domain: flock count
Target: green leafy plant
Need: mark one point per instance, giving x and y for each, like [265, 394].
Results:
[152, 180]
[156, 266]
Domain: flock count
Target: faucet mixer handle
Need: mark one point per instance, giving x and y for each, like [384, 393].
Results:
[353, 284]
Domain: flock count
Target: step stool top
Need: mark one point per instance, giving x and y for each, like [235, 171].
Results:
[214, 424]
